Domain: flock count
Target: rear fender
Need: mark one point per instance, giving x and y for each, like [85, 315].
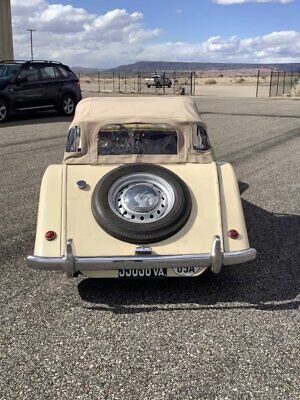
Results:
[231, 209]
[50, 213]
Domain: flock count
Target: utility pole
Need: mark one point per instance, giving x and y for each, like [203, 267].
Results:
[31, 43]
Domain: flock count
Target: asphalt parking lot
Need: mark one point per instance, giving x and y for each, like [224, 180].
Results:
[232, 336]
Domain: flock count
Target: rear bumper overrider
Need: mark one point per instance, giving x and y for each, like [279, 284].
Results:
[71, 264]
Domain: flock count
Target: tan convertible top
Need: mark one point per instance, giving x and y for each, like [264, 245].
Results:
[137, 109]
[95, 112]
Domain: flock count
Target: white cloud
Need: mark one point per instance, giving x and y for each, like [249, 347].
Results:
[230, 2]
[278, 47]
[77, 37]
[178, 10]
[74, 35]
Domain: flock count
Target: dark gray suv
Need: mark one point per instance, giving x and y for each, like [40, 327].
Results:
[27, 86]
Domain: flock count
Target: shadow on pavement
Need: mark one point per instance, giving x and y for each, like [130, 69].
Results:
[272, 278]
[251, 114]
[45, 117]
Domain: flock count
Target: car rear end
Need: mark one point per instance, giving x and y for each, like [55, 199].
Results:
[73, 83]
[135, 199]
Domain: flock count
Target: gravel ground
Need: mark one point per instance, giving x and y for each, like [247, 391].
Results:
[233, 336]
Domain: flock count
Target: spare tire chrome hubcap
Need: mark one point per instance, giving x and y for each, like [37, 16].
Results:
[141, 197]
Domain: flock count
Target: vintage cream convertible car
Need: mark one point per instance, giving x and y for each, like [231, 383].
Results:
[139, 193]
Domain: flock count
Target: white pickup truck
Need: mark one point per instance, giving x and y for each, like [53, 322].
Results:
[158, 81]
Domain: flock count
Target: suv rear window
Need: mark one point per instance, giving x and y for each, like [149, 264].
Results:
[64, 72]
[117, 139]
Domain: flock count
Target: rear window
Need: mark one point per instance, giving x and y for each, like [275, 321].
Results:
[74, 140]
[63, 71]
[118, 139]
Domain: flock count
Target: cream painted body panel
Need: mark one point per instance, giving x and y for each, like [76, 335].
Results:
[50, 212]
[196, 236]
[232, 211]
[67, 210]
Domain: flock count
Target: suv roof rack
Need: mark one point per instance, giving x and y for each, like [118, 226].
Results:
[29, 61]
[45, 61]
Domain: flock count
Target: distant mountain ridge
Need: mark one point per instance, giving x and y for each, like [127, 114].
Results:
[152, 66]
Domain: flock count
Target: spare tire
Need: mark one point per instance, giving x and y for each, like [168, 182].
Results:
[141, 203]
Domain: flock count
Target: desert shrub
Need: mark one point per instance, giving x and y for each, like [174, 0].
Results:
[87, 80]
[240, 80]
[295, 92]
[210, 81]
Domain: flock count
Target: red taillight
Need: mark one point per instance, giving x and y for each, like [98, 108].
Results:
[50, 235]
[233, 234]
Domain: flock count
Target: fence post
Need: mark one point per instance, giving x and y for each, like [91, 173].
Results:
[283, 87]
[119, 83]
[174, 82]
[271, 78]
[257, 83]
[194, 92]
[98, 77]
[113, 82]
[164, 86]
[278, 78]
[104, 84]
[292, 80]
[125, 80]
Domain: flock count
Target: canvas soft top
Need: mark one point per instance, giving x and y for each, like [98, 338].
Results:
[137, 109]
[94, 113]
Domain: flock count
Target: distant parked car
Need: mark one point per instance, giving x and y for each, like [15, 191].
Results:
[158, 81]
[27, 86]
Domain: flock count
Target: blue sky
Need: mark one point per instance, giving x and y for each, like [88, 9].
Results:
[120, 31]
[199, 20]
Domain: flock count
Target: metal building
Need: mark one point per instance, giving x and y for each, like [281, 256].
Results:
[6, 40]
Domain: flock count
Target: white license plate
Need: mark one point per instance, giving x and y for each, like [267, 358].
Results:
[143, 273]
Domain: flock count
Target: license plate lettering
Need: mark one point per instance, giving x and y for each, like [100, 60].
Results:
[186, 271]
[142, 273]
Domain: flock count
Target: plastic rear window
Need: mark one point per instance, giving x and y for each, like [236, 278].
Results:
[117, 139]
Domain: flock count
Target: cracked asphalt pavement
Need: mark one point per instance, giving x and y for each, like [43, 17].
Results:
[231, 336]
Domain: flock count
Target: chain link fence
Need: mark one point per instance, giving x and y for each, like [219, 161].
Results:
[166, 83]
[268, 83]
[276, 83]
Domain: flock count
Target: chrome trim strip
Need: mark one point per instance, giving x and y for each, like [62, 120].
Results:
[71, 264]
[34, 108]
[237, 257]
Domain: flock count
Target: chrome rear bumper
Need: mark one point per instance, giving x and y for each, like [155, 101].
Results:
[72, 264]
